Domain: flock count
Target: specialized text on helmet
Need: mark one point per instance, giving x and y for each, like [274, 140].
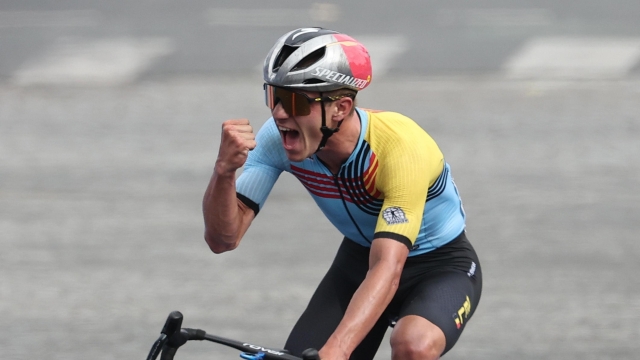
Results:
[340, 78]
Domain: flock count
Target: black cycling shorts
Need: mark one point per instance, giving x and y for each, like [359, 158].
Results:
[442, 286]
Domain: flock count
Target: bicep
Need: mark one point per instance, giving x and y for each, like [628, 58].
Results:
[247, 214]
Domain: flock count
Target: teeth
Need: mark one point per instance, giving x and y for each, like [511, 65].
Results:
[283, 128]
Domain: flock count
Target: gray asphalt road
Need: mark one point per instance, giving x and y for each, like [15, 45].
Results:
[101, 226]
[110, 115]
[224, 36]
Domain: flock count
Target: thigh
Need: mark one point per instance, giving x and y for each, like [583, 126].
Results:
[329, 303]
[446, 299]
[322, 315]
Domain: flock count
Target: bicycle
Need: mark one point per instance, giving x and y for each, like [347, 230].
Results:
[173, 336]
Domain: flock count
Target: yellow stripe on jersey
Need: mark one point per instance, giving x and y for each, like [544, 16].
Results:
[409, 162]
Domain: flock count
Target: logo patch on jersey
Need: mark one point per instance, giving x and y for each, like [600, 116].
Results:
[394, 215]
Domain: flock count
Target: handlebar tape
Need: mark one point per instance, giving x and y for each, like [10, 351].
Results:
[195, 334]
[168, 353]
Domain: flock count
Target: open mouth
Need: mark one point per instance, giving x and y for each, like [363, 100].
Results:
[290, 137]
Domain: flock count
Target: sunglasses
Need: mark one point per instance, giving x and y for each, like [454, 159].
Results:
[294, 103]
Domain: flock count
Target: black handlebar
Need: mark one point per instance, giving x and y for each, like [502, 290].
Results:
[173, 336]
[171, 326]
[173, 323]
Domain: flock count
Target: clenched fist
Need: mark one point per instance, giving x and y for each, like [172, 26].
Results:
[237, 139]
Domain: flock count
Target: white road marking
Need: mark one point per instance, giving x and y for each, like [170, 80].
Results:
[93, 62]
[574, 58]
[283, 17]
[54, 18]
[496, 17]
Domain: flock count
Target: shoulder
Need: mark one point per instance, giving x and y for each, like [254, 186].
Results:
[268, 128]
[268, 148]
[398, 140]
[391, 121]
[268, 137]
[393, 127]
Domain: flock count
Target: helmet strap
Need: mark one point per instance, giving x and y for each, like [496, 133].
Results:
[326, 131]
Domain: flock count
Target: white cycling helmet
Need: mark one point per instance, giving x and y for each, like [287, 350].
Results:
[317, 59]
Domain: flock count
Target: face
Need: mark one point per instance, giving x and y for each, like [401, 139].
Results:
[300, 135]
[298, 116]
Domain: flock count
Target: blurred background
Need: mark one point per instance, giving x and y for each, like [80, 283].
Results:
[110, 116]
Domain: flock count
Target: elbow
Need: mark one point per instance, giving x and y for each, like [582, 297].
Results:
[218, 246]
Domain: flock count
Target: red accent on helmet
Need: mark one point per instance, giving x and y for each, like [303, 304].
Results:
[358, 57]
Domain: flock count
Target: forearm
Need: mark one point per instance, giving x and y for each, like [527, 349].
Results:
[365, 308]
[221, 212]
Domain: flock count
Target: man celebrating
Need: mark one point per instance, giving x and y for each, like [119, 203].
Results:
[383, 183]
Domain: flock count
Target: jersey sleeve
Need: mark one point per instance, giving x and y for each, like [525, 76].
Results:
[410, 161]
[264, 165]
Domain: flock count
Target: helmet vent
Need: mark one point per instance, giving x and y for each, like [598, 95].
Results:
[282, 56]
[313, 81]
[310, 59]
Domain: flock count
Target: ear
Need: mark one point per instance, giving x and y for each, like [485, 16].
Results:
[342, 108]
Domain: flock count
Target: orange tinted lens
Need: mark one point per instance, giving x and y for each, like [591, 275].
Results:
[300, 105]
[294, 104]
[285, 98]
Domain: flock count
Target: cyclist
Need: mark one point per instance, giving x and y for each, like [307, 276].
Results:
[379, 178]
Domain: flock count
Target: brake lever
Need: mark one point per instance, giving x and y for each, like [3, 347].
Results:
[173, 324]
[157, 347]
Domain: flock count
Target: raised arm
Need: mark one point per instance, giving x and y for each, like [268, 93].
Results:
[226, 218]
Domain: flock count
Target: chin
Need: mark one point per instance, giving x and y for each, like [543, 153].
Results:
[296, 158]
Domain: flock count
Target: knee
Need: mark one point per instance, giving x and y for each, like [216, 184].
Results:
[406, 349]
